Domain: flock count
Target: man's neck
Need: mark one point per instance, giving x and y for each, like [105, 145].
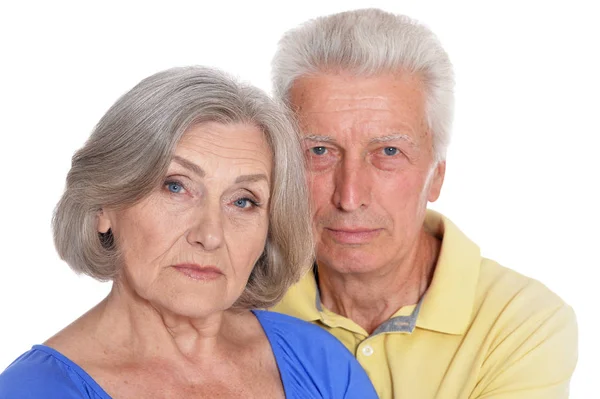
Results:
[369, 299]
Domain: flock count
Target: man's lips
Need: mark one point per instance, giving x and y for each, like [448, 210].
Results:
[199, 272]
[352, 235]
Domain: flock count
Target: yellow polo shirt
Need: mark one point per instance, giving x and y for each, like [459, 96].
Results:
[480, 331]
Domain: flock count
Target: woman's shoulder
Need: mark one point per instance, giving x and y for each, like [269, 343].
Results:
[301, 333]
[284, 322]
[325, 361]
[43, 372]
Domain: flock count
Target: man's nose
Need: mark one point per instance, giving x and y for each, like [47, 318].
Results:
[352, 186]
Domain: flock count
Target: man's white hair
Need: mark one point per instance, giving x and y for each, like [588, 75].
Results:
[370, 42]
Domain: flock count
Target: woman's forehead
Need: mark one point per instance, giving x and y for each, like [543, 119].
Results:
[237, 148]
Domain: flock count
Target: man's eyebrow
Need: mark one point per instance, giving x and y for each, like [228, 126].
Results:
[252, 178]
[381, 139]
[189, 165]
[394, 137]
[319, 138]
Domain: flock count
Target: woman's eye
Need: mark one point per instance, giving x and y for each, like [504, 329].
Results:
[244, 203]
[318, 150]
[174, 187]
[390, 151]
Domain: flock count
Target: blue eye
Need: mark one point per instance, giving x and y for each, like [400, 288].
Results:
[244, 203]
[390, 151]
[318, 150]
[174, 187]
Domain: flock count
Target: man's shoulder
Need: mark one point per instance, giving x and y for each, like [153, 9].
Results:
[502, 287]
[529, 333]
[521, 313]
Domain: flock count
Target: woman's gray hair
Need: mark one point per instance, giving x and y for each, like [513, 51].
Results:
[369, 42]
[129, 152]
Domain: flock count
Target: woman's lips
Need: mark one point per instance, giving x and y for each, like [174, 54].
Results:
[197, 272]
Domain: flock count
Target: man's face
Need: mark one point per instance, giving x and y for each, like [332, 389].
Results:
[371, 166]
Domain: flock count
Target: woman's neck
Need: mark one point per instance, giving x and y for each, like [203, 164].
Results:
[132, 329]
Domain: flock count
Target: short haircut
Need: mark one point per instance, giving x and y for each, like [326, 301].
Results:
[369, 42]
[128, 154]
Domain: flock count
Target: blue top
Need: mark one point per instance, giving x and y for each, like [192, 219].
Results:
[312, 364]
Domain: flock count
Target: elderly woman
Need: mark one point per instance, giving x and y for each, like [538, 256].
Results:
[189, 196]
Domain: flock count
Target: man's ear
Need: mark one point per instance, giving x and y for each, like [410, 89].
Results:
[437, 180]
[102, 222]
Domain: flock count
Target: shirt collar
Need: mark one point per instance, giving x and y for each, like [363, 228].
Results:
[449, 301]
[302, 300]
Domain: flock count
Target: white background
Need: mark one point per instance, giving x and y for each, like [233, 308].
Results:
[522, 178]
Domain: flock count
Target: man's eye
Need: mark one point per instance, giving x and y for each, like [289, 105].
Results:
[390, 151]
[318, 150]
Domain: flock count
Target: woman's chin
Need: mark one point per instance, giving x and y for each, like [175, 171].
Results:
[197, 305]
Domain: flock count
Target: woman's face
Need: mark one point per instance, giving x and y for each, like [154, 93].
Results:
[190, 246]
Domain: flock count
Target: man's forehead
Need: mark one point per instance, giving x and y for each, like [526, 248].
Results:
[320, 102]
[343, 84]
[385, 95]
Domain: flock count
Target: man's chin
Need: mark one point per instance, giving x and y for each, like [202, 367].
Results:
[349, 260]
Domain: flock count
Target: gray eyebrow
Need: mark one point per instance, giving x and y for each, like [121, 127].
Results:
[252, 178]
[201, 173]
[319, 138]
[393, 137]
[381, 139]
[189, 165]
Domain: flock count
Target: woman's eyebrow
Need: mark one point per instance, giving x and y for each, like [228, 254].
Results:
[189, 165]
[252, 178]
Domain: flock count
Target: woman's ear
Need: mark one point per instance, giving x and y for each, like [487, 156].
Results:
[102, 222]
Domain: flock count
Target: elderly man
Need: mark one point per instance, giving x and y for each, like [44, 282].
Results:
[402, 287]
